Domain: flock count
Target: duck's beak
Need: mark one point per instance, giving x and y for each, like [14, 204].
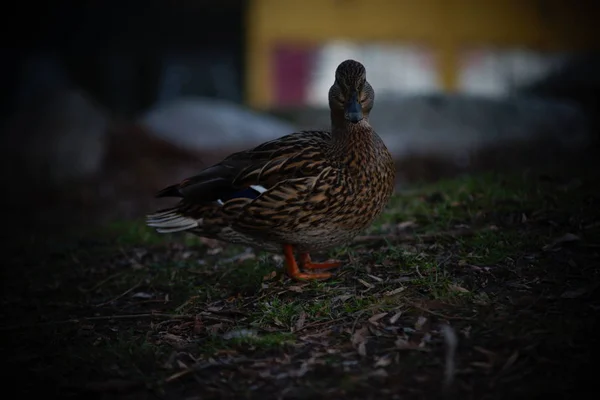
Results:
[353, 109]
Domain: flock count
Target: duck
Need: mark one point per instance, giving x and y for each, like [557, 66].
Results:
[302, 193]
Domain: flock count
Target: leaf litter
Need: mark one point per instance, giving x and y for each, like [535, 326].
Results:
[421, 307]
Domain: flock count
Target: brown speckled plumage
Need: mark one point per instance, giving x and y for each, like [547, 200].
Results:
[306, 191]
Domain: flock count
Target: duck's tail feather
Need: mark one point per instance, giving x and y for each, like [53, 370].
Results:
[171, 220]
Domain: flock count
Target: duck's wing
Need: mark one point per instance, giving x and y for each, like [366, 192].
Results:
[255, 171]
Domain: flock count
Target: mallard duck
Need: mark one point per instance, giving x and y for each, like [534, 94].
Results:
[304, 192]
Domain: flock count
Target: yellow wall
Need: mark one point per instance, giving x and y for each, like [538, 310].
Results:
[446, 25]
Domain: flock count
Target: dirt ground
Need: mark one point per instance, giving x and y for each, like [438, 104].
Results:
[483, 286]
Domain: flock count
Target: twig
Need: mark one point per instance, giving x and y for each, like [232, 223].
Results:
[391, 238]
[99, 318]
[403, 279]
[316, 324]
[447, 317]
[137, 285]
[204, 365]
[179, 374]
[418, 271]
[113, 385]
[359, 314]
[102, 282]
[188, 301]
[451, 341]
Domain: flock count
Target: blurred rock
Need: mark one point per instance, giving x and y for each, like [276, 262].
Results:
[103, 171]
[430, 136]
[452, 127]
[136, 166]
[207, 124]
[578, 81]
[57, 139]
[456, 127]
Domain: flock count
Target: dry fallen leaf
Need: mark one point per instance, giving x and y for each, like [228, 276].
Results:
[342, 298]
[375, 278]
[394, 318]
[212, 243]
[359, 340]
[214, 251]
[137, 266]
[301, 320]
[377, 317]
[511, 360]
[379, 373]
[457, 288]
[270, 276]
[402, 226]
[299, 373]
[420, 322]
[213, 329]
[239, 333]
[174, 340]
[362, 349]
[573, 294]
[566, 238]
[142, 295]
[395, 291]
[402, 343]
[365, 283]
[451, 342]
[466, 331]
[382, 362]
[360, 336]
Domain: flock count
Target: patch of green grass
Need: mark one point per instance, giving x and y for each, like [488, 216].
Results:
[263, 341]
[267, 341]
[132, 233]
[136, 233]
[277, 312]
[178, 294]
[491, 247]
[356, 304]
[447, 203]
[246, 277]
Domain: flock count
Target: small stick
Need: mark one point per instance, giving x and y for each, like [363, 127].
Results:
[137, 285]
[102, 282]
[449, 318]
[451, 341]
[411, 238]
[99, 318]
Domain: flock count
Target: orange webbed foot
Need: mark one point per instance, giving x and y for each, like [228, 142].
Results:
[293, 270]
[308, 264]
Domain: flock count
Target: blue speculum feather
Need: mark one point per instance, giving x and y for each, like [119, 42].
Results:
[247, 193]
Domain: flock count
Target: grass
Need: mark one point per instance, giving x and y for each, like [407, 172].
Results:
[506, 262]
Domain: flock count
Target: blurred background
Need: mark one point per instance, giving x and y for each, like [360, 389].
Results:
[104, 103]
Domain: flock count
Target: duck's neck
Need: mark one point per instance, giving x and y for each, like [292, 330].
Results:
[347, 135]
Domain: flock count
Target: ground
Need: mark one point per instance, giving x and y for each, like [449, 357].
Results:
[481, 287]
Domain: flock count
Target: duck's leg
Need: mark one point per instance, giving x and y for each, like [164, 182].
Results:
[292, 266]
[308, 264]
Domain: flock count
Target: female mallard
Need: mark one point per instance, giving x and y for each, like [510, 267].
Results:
[307, 191]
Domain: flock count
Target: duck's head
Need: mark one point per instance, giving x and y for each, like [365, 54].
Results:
[351, 95]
